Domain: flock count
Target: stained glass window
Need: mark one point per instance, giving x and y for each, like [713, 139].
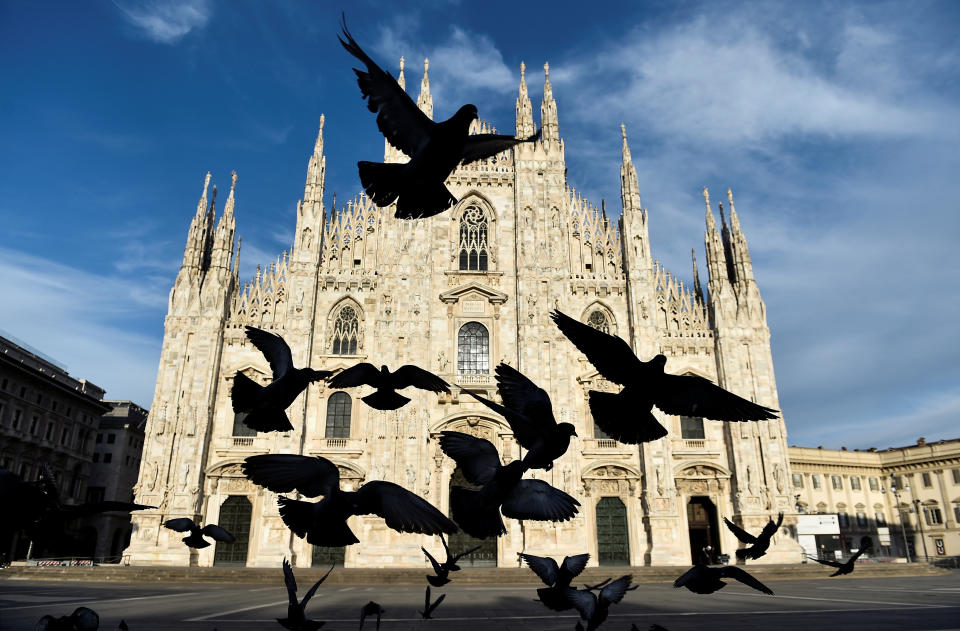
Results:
[473, 349]
[346, 330]
[474, 248]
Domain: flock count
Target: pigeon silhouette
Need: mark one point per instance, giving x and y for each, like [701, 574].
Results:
[324, 523]
[296, 619]
[195, 538]
[123, 626]
[82, 619]
[703, 579]
[594, 608]
[442, 570]
[428, 607]
[370, 609]
[477, 512]
[846, 567]
[528, 410]
[386, 398]
[265, 406]
[434, 149]
[557, 578]
[760, 543]
[646, 385]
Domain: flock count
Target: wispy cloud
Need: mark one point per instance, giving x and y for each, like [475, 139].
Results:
[165, 21]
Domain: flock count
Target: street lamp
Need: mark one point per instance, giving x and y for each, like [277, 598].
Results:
[896, 497]
[923, 539]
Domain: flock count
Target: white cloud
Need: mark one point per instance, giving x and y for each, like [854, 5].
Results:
[166, 21]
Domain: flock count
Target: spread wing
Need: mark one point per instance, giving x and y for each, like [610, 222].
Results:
[313, 590]
[92, 508]
[398, 117]
[740, 533]
[85, 619]
[608, 353]
[544, 567]
[691, 395]
[181, 524]
[535, 499]
[436, 603]
[771, 528]
[409, 375]
[523, 429]
[480, 146]
[217, 533]
[282, 473]
[402, 510]
[521, 394]
[732, 571]
[273, 348]
[476, 457]
[291, 583]
[826, 562]
[689, 576]
[358, 375]
[572, 566]
[436, 566]
[584, 601]
[613, 593]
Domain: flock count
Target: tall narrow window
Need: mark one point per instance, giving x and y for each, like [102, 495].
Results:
[346, 329]
[474, 249]
[240, 428]
[338, 415]
[473, 349]
[691, 427]
[598, 321]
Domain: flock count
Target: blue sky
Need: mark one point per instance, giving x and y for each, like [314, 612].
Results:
[835, 125]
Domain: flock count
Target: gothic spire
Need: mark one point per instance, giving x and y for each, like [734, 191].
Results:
[316, 171]
[192, 251]
[713, 243]
[402, 80]
[548, 111]
[629, 186]
[697, 289]
[525, 126]
[739, 253]
[207, 234]
[391, 153]
[223, 238]
[425, 101]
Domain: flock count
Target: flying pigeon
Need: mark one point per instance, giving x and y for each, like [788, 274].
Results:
[296, 619]
[703, 579]
[435, 149]
[594, 608]
[442, 570]
[82, 619]
[646, 385]
[557, 578]
[846, 567]
[477, 512]
[195, 538]
[370, 609]
[324, 523]
[528, 410]
[428, 607]
[386, 383]
[265, 405]
[760, 543]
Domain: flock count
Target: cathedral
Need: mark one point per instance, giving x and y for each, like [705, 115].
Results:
[457, 294]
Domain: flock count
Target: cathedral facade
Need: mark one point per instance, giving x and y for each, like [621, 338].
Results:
[457, 294]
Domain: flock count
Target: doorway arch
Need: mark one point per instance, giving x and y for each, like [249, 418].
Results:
[613, 540]
[486, 555]
[704, 530]
[235, 515]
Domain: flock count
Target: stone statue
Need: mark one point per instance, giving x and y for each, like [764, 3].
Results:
[442, 362]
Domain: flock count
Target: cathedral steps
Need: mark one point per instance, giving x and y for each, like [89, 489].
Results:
[415, 576]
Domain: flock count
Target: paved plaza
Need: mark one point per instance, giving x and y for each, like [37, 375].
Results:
[885, 603]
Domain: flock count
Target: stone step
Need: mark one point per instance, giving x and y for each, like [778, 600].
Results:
[415, 576]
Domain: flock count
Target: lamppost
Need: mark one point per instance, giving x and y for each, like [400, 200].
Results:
[923, 539]
[896, 497]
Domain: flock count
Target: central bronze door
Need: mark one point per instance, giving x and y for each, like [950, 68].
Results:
[235, 515]
[486, 556]
[613, 541]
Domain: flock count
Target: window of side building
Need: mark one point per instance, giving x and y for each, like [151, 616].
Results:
[932, 515]
[927, 482]
[855, 482]
[798, 480]
[837, 482]
[843, 519]
[861, 519]
[956, 476]
[874, 484]
[815, 480]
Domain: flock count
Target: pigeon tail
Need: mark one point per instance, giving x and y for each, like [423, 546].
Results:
[437, 581]
[195, 541]
[425, 200]
[472, 516]
[268, 420]
[385, 400]
[615, 414]
[244, 393]
[743, 554]
[382, 182]
[312, 521]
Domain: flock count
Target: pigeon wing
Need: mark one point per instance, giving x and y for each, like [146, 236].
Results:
[476, 457]
[283, 473]
[609, 354]
[544, 567]
[85, 619]
[409, 375]
[273, 348]
[92, 508]
[826, 562]
[181, 524]
[691, 395]
[402, 510]
[358, 375]
[523, 429]
[771, 528]
[572, 566]
[613, 593]
[436, 566]
[584, 601]
[399, 119]
[690, 575]
[732, 571]
[436, 603]
[291, 582]
[480, 146]
[217, 533]
[535, 499]
[313, 590]
[740, 533]
[521, 394]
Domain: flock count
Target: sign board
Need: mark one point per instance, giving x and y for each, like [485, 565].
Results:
[818, 525]
[941, 549]
[883, 533]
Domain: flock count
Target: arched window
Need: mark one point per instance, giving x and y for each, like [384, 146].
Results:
[474, 249]
[473, 349]
[240, 428]
[598, 320]
[691, 427]
[339, 406]
[346, 330]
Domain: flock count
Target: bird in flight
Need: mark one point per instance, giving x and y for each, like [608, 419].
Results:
[387, 383]
[428, 607]
[846, 567]
[594, 608]
[435, 149]
[645, 385]
[477, 512]
[760, 543]
[265, 406]
[296, 619]
[442, 570]
[528, 410]
[82, 619]
[556, 577]
[195, 538]
[324, 523]
[370, 609]
[703, 579]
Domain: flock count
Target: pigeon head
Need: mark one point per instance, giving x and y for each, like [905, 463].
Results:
[567, 428]
[660, 361]
[467, 114]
